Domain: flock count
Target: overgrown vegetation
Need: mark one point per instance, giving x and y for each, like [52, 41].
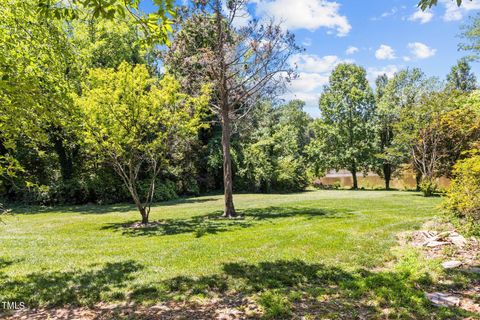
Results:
[463, 197]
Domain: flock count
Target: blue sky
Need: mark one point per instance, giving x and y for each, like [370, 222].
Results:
[383, 37]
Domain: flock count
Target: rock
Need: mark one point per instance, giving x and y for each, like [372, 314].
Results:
[435, 243]
[474, 270]
[451, 264]
[443, 299]
[457, 239]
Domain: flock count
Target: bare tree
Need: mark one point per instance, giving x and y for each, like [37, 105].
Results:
[245, 64]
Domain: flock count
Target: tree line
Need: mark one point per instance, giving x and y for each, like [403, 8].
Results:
[101, 104]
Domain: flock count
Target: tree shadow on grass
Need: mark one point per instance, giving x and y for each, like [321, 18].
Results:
[83, 209]
[100, 209]
[306, 289]
[75, 288]
[214, 223]
[311, 289]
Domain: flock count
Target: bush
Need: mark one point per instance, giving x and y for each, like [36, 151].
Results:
[275, 305]
[428, 187]
[463, 196]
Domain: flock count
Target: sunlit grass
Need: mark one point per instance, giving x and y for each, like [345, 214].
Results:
[306, 241]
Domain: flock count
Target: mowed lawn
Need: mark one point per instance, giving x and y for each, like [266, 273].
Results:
[88, 254]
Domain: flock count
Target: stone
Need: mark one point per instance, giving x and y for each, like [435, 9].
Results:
[432, 244]
[457, 240]
[443, 299]
[451, 264]
[474, 270]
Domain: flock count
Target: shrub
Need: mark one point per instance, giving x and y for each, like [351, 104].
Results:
[165, 191]
[463, 196]
[275, 305]
[428, 187]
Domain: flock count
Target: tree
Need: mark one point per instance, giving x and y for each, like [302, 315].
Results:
[459, 131]
[273, 148]
[471, 37]
[37, 65]
[418, 131]
[385, 130]
[461, 77]
[156, 26]
[132, 122]
[346, 129]
[244, 64]
[401, 92]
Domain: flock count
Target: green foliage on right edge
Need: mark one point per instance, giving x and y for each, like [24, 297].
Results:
[463, 197]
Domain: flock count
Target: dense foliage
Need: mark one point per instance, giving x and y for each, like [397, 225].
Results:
[93, 110]
[463, 198]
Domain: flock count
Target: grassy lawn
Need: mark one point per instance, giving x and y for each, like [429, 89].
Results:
[312, 247]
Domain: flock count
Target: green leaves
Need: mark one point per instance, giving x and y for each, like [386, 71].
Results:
[345, 133]
[425, 4]
[156, 26]
[134, 121]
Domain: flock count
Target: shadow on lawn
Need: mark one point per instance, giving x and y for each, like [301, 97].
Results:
[50, 289]
[214, 223]
[101, 209]
[302, 288]
[309, 289]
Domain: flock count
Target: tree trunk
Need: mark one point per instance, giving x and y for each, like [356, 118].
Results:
[144, 214]
[387, 175]
[418, 179]
[227, 168]
[138, 204]
[354, 176]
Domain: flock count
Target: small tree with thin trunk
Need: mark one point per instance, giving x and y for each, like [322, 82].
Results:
[244, 63]
[133, 122]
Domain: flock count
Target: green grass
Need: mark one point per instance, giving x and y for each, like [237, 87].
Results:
[309, 242]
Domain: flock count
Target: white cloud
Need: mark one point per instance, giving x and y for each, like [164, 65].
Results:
[313, 73]
[305, 14]
[421, 50]
[307, 42]
[390, 13]
[385, 52]
[455, 13]
[313, 63]
[374, 72]
[422, 16]
[351, 50]
[308, 82]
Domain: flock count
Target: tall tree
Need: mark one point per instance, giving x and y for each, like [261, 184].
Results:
[461, 77]
[385, 131]
[37, 65]
[132, 122]
[419, 132]
[245, 64]
[346, 129]
[401, 92]
[471, 37]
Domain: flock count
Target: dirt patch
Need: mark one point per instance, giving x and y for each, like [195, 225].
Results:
[230, 308]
